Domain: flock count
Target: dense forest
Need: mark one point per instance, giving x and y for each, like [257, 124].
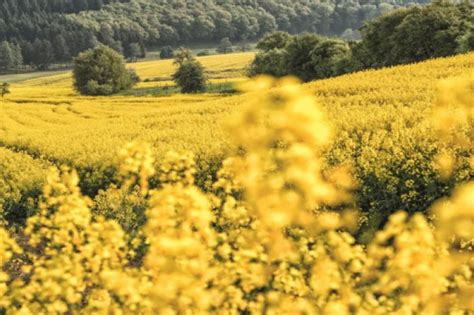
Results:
[402, 36]
[41, 32]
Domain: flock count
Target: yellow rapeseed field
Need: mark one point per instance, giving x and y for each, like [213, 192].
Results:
[275, 231]
[380, 117]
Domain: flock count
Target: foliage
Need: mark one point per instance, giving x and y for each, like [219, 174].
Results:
[276, 40]
[134, 78]
[466, 41]
[65, 28]
[415, 34]
[286, 245]
[271, 62]
[403, 36]
[306, 56]
[10, 56]
[298, 56]
[225, 46]
[330, 58]
[183, 55]
[203, 53]
[166, 52]
[134, 52]
[190, 77]
[101, 71]
[4, 89]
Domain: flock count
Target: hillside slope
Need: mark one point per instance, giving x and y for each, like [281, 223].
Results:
[56, 30]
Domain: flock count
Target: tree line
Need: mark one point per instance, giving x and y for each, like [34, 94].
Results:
[54, 31]
[403, 36]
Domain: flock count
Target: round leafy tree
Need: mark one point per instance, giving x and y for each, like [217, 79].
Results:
[100, 71]
[190, 77]
[166, 52]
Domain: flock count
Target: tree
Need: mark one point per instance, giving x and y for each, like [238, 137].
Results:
[134, 52]
[466, 41]
[269, 62]
[348, 34]
[183, 55]
[225, 46]
[43, 54]
[414, 34]
[17, 56]
[6, 56]
[166, 52]
[298, 56]
[4, 89]
[330, 58]
[190, 77]
[100, 71]
[275, 40]
[61, 49]
[159, 23]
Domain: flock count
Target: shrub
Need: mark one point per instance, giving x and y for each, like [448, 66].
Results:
[330, 58]
[203, 53]
[298, 56]
[134, 76]
[274, 40]
[100, 71]
[4, 89]
[269, 62]
[93, 88]
[190, 77]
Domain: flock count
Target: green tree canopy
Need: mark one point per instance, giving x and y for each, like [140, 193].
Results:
[330, 57]
[100, 71]
[277, 40]
[190, 77]
[298, 56]
[225, 46]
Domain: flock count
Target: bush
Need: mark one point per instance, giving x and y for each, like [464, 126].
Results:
[298, 56]
[190, 77]
[330, 58]
[100, 71]
[269, 62]
[203, 53]
[134, 76]
[93, 88]
[166, 52]
[4, 89]
[277, 40]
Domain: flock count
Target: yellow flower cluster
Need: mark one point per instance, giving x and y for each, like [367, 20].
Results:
[276, 235]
